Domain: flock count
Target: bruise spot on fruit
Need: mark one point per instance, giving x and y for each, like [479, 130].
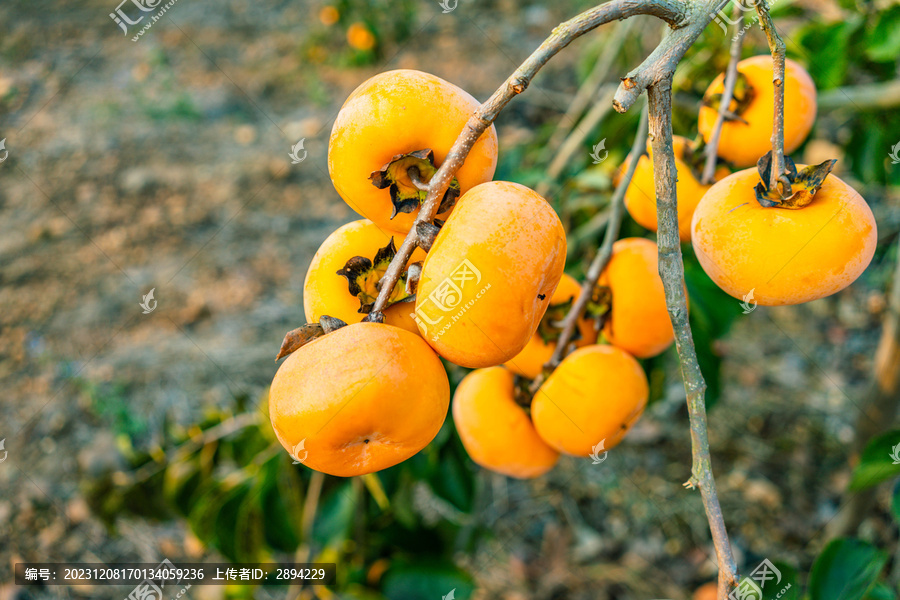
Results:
[364, 279]
[741, 99]
[542, 296]
[803, 184]
[407, 176]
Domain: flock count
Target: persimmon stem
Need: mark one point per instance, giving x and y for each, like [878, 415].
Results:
[731, 73]
[776, 46]
[604, 253]
[672, 11]
[671, 270]
[416, 178]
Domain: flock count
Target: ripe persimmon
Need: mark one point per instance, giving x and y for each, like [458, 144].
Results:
[359, 399]
[640, 197]
[595, 395]
[746, 139]
[342, 280]
[490, 274]
[529, 362]
[359, 37]
[707, 591]
[779, 256]
[496, 432]
[639, 320]
[389, 138]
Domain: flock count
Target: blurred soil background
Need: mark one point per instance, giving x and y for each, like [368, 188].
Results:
[163, 164]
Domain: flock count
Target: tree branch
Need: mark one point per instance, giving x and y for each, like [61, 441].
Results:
[617, 210]
[712, 147]
[670, 11]
[776, 45]
[671, 270]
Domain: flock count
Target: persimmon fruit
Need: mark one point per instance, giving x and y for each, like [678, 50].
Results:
[639, 320]
[745, 139]
[595, 395]
[783, 256]
[496, 432]
[389, 138]
[640, 197]
[490, 274]
[352, 410]
[342, 280]
[530, 361]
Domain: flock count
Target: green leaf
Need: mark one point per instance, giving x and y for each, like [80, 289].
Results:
[336, 510]
[845, 570]
[879, 462]
[427, 581]
[281, 500]
[895, 502]
[881, 591]
[883, 39]
[826, 46]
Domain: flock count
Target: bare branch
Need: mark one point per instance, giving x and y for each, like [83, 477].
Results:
[776, 45]
[600, 261]
[870, 96]
[731, 73]
[671, 270]
[663, 60]
[590, 89]
[671, 11]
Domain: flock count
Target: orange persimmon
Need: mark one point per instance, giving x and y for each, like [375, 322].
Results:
[595, 395]
[359, 399]
[496, 432]
[779, 256]
[488, 278]
[342, 278]
[745, 140]
[391, 134]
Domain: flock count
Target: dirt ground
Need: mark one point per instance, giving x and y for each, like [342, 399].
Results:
[163, 164]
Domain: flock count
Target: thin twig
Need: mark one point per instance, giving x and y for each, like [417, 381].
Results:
[776, 45]
[868, 96]
[712, 147]
[590, 89]
[600, 261]
[671, 270]
[671, 11]
[574, 142]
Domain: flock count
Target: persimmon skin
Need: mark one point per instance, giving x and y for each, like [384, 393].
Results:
[639, 322]
[785, 256]
[327, 293]
[362, 398]
[530, 361]
[595, 394]
[743, 144]
[513, 246]
[496, 432]
[397, 112]
[640, 197]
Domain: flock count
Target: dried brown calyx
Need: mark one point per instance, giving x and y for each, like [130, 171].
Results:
[297, 338]
[364, 279]
[796, 189]
[599, 307]
[741, 99]
[407, 176]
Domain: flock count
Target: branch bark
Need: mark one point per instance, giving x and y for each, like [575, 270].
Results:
[776, 45]
[671, 270]
[670, 11]
[712, 147]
